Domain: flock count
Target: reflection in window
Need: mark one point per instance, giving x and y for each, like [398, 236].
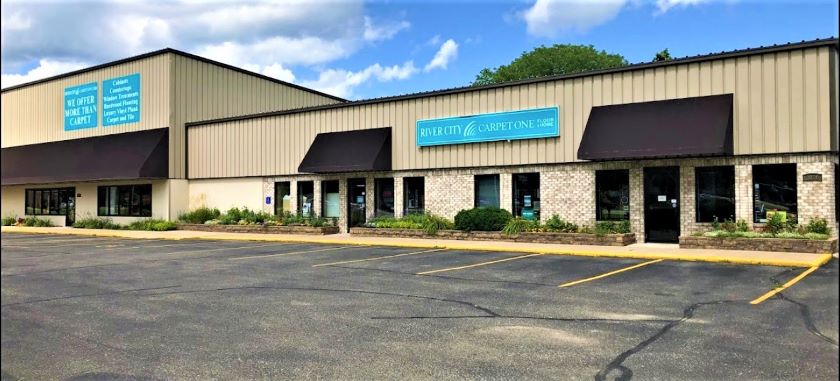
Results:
[125, 200]
[715, 193]
[305, 195]
[414, 193]
[612, 195]
[282, 197]
[526, 195]
[330, 206]
[774, 191]
[487, 191]
[384, 197]
[50, 202]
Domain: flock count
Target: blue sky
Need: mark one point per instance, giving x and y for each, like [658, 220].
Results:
[370, 49]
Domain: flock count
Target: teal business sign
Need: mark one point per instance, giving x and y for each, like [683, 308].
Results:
[121, 100]
[514, 125]
[80, 106]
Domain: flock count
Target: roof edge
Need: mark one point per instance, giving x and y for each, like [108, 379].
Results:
[176, 52]
[831, 41]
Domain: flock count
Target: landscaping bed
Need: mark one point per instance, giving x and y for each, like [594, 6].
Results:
[263, 229]
[760, 244]
[622, 239]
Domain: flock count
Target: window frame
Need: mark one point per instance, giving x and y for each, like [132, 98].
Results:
[59, 194]
[626, 172]
[517, 211]
[422, 194]
[795, 183]
[300, 193]
[377, 187]
[130, 208]
[324, 197]
[697, 172]
[495, 176]
[278, 198]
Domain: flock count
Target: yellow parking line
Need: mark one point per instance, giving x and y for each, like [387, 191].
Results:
[285, 254]
[477, 264]
[610, 273]
[377, 258]
[784, 286]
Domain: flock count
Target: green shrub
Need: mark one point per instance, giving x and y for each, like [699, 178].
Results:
[152, 224]
[728, 226]
[816, 236]
[433, 223]
[819, 226]
[516, 225]
[482, 219]
[37, 222]
[742, 226]
[556, 224]
[91, 222]
[612, 227]
[9, 220]
[199, 216]
[775, 225]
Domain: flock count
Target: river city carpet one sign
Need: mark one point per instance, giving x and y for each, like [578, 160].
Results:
[514, 125]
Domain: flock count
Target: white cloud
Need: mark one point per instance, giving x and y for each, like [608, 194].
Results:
[46, 68]
[665, 5]
[383, 32]
[16, 21]
[340, 82]
[548, 17]
[284, 50]
[448, 51]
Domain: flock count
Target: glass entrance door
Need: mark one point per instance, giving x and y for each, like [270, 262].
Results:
[68, 205]
[356, 202]
[662, 210]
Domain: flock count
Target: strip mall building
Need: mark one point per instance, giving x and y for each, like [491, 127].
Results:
[669, 145]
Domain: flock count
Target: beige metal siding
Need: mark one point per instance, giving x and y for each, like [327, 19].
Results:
[204, 91]
[781, 104]
[35, 114]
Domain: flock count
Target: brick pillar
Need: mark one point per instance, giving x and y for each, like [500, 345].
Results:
[448, 194]
[506, 191]
[744, 194]
[815, 199]
[294, 199]
[370, 206]
[268, 191]
[687, 203]
[316, 197]
[637, 203]
[570, 194]
[342, 200]
[398, 197]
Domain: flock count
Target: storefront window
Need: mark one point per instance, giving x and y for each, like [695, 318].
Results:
[414, 191]
[715, 193]
[774, 191]
[384, 197]
[125, 200]
[330, 207]
[612, 195]
[49, 202]
[487, 191]
[305, 194]
[526, 195]
[282, 197]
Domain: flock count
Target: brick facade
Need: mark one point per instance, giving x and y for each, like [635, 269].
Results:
[568, 190]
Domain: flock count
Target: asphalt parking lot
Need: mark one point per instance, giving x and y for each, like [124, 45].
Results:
[86, 308]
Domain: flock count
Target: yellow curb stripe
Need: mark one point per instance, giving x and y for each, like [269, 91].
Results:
[784, 286]
[477, 264]
[611, 273]
[377, 258]
[285, 254]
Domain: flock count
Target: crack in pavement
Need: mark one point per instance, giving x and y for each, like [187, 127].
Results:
[617, 363]
[804, 311]
[88, 295]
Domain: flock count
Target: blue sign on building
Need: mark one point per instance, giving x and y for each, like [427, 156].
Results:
[514, 125]
[121, 100]
[80, 104]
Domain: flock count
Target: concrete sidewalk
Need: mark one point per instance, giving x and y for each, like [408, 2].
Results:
[640, 251]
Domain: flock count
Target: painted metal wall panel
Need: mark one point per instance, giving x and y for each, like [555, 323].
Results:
[782, 104]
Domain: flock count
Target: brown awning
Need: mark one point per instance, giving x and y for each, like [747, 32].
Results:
[131, 155]
[349, 151]
[700, 126]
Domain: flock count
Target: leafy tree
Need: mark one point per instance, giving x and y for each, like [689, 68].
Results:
[662, 56]
[551, 60]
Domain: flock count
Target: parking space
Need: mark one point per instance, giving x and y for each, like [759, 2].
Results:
[76, 307]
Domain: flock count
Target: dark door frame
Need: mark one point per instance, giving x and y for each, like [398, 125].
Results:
[351, 182]
[662, 217]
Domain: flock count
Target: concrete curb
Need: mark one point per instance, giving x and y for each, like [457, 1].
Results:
[819, 260]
